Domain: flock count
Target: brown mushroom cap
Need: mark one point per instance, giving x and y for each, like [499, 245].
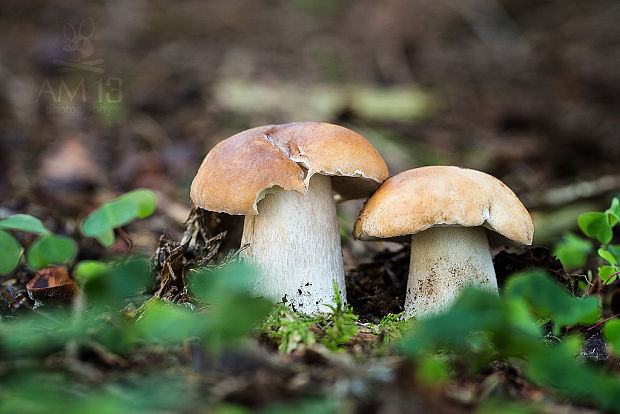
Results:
[237, 170]
[418, 199]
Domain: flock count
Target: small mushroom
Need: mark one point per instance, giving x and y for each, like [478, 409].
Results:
[282, 178]
[52, 285]
[447, 211]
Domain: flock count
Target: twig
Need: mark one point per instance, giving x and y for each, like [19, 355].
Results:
[606, 282]
[602, 322]
[125, 237]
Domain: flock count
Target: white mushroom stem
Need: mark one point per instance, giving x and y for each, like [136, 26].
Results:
[295, 241]
[444, 262]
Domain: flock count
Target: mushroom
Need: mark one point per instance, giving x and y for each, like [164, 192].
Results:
[282, 179]
[447, 211]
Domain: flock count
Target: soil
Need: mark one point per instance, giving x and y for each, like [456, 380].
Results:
[378, 288]
[507, 264]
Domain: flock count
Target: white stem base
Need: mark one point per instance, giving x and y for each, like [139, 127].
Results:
[295, 241]
[444, 262]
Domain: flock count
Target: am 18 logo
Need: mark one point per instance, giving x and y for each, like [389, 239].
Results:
[80, 87]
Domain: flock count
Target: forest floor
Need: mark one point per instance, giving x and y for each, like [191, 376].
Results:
[526, 91]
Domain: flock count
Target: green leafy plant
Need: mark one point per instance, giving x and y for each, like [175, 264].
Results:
[549, 301]
[116, 316]
[340, 323]
[393, 326]
[106, 323]
[232, 313]
[292, 329]
[24, 222]
[599, 225]
[611, 331]
[50, 249]
[87, 269]
[11, 252]
[573, 250]
[101, 223]
[103, 319]
[482, 327]
[289, 328]
[46, 250]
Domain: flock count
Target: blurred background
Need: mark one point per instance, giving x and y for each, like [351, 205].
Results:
[97, 98]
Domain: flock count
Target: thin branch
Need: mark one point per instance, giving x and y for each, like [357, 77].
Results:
[602, 322]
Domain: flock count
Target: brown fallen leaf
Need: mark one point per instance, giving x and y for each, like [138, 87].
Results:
[52, 285]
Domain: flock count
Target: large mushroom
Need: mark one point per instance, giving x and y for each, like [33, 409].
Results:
[448, 212]
[282, 178]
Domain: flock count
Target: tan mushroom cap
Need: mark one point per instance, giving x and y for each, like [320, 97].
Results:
[418, 199]
[235, 173]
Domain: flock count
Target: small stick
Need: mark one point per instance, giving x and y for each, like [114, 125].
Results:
[606, 282]
[602, 322]
[123, 235]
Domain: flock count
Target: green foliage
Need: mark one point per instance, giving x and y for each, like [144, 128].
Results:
[293, 329]
[611, 255]
[393, 326]
[215, 286]
[557, 368]
[289, 328]
[599, 225]
[24, 222]
[340, 323]
[144, 200]
[495, 406]
[305, 406]
[608, 256]
[504, 321]
[234, 314]
[482, 327]
[345, 226]
[101, 223]
[42, 392]
[117, 283]
[611, 332]
[11, 252]
[36, 335]
[50, 249]
[169, 324]
[433, 369]
[572, 250]
[596, 225]
[87, 269]
[608, 274]
[45, 248]
[548, 300]
[614, 212]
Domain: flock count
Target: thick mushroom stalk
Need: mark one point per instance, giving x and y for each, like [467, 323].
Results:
[295, 241]
[294, 238]
[447, 210]
[444, 262]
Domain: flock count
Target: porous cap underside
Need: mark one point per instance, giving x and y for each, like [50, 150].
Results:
[236, 172]
[418, 199]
